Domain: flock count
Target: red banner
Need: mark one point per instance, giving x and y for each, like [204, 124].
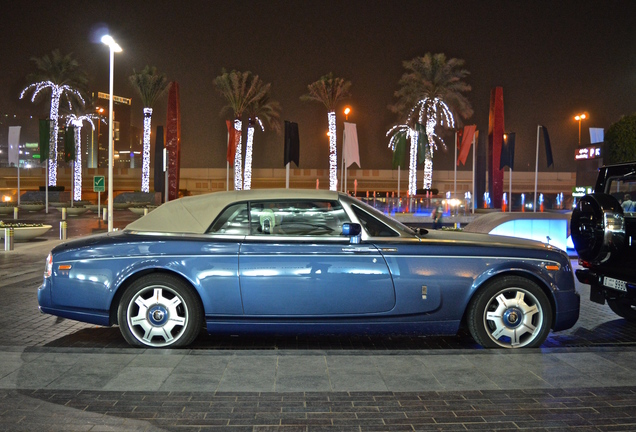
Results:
[173, 140]
[466, 142]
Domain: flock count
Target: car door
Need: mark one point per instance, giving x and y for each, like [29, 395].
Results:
[295, 262]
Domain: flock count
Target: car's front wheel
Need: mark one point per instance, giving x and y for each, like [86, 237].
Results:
[510, 312]
[159, 310]
[623, 309]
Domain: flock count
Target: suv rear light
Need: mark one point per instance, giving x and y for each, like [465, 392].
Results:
[584, 263]
[48, 267]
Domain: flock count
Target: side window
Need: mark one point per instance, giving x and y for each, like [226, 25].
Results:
[297, 218]
[232, 220]
[624, 190]
[373, 226]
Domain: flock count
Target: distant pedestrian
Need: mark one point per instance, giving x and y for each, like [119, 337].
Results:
[437, 214]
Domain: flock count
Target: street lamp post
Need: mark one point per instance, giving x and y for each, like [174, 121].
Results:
[113, 48]
[343, 170]
[579, 118]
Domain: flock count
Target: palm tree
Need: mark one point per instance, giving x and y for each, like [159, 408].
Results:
[61, 76]
[329, 90]
[150, 86]
[400, 135]
[259, 111]
[431, 90]
[77, 120]
[240, 89]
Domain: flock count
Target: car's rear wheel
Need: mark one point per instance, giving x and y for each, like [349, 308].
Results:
[510, 312]
[159, 310]
[623, 309]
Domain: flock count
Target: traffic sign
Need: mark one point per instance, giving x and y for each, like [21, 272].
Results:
[99, 184]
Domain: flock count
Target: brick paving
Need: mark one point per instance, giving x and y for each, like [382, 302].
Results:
[606, 409]
[26, 334]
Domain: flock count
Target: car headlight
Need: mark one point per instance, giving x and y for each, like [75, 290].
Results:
[48, 267]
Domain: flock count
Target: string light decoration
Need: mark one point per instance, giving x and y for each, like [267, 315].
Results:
[145, 160]
[333, 156]
[57, 91]
[398, 132]
[247, 183]
[238, 160]
[78, 122]
[432, 112]
[247, 176]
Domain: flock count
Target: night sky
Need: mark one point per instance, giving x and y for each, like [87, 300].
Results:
[554, 59]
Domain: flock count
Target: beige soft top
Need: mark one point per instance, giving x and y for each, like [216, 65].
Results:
[195, 214]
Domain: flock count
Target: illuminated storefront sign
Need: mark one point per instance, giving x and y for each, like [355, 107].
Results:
[592, 152]
[579, 191]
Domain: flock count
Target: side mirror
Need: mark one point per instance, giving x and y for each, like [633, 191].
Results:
[353, 231]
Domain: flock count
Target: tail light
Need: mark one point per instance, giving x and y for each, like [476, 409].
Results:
[48, 267]
[584, 263]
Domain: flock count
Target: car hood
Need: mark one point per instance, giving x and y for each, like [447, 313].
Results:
[487, 240]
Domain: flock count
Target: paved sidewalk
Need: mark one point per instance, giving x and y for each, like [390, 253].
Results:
[133, 369]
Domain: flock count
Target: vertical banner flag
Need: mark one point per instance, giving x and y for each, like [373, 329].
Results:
[159, 182]
[173, 140]
[292, 143]
[14, 144]
[508, 152]
[466, 141]
[69, 144]
[231, 141]
[596, 135]
[45, 136]
[350, 148]
[548, 147]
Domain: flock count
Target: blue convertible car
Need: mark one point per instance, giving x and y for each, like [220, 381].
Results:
[305, 261]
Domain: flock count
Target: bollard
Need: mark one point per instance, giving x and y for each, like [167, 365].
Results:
[8, 239]
[63, 213]
[62, 230]
[145, 211]
[15, 212]
[105, 214]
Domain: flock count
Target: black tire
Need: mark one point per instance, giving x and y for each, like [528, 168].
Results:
[623, 309]
[510, 312]
[159, 311]
[592, 241]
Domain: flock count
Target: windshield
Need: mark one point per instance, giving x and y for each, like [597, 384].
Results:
[396, 225]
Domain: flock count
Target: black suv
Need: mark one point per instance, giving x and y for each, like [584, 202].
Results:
[604, 233]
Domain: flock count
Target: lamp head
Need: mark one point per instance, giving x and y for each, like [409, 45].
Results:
[108, 40]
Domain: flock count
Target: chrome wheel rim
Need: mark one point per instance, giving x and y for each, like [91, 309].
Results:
[157, 316]
[513, 318]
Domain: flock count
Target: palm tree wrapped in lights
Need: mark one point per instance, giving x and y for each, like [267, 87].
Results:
[78, 121]
[430, 90]
[330, 91]
[61, 76]
[240, 89]
[263, 109]
[150, 86]
[416, 136]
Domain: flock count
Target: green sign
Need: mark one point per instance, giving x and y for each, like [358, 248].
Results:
[579, 191]
[99, 183]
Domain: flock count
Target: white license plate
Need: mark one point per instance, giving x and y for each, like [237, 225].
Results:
[615, 284]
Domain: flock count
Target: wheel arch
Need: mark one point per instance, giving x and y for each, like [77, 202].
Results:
[132, 278]
[482, 283]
